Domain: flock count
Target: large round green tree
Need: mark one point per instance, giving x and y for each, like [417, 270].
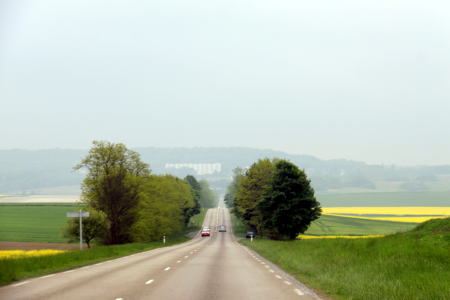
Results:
[289, 205]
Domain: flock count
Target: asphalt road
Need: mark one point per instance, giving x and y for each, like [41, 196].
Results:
[215, 267]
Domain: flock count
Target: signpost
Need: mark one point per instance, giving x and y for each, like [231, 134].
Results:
[81, 214]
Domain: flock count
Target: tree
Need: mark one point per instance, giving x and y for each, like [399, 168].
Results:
[289, 205]
[208, 198]
[232, 188]
[94, 227]
[251, 191]
[196, 190]
[113, 186]
[162, 209]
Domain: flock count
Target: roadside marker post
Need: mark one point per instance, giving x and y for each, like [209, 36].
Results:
[164, 239]
[251, 238]
[81, 214]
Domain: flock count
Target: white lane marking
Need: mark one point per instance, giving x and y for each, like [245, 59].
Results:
[287, 282]
[278, 276]
[150, 281]
[119, 298]
[298, 292]
[271, 271]
[266, 266]
[67, 272]
[21, 283]
[186, 256]
[48, 276]
[263, 263]
[178, 261]
[167, 269]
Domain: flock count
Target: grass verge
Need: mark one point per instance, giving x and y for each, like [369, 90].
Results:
[20, 268]
[413, 265]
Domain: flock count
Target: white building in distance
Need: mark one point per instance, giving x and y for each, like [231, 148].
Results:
[200, 169]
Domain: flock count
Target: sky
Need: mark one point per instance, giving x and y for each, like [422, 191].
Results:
[360, 80]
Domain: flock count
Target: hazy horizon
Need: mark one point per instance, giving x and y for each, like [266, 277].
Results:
[350, 80]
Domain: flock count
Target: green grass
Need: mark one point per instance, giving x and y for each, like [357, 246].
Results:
[385, 199]
[333, 225]
[34, 222]
[409, 266]
[16, 269]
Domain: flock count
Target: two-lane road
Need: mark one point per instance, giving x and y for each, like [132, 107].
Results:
[215, 267]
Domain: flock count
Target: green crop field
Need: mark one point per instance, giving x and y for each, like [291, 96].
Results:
[34, 222]
[385, 199]
[333, 225]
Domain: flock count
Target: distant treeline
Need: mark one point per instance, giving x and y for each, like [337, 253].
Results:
[31, 171]
[128, 204]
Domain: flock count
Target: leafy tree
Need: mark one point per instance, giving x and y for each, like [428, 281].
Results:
[94, 227]
[208, 198]
[162, 209]
[289, 205]
[232, 188]
[196, 189]
[251, 191]
[113, 186]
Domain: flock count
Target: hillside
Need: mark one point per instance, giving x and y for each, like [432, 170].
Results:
[50, 171]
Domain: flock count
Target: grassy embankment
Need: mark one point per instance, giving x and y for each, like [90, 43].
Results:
[412, 265]
[44, 223]
[20, 268]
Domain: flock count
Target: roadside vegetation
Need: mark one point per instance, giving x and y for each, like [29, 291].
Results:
[411, 265]
[19, 268]
[273, 198]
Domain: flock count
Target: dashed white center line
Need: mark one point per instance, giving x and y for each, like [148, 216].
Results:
[287, 282]
[298, 292]
[119, 298]
[21, 283]
[278, 276]
[178, 261]
[167, 269]
[186, 256]
[150, 281]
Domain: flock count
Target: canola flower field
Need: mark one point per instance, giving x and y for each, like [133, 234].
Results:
[416, 214]
[12, 254]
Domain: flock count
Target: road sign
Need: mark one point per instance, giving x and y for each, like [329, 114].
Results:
[80, 214]
[77, 214]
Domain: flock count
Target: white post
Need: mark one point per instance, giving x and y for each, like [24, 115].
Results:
[164, 239]
[251, 238]
[81, 231]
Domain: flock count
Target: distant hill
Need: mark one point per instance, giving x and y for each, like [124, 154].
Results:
[41, 171]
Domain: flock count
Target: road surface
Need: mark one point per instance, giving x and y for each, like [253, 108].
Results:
[207, 268]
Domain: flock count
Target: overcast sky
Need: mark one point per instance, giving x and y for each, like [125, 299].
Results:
[361, 80]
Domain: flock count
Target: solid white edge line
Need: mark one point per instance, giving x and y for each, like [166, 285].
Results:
[298, 292]
[21, 283]
[150, 281]
[47, 276]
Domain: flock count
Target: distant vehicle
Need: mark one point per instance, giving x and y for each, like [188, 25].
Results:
[206, 231]
[250, 234]
[222, 228]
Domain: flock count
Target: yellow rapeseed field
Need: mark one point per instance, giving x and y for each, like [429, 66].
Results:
[304, 236]
[7, 254]
[442, 211]
[398, 214]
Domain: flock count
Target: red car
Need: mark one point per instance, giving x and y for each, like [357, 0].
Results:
[206, 232]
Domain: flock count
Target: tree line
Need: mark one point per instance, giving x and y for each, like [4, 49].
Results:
[129, 204]
[273, 198]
